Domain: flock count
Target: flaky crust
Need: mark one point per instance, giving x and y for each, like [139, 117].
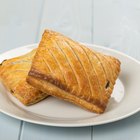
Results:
[68, 70]
[13, 73]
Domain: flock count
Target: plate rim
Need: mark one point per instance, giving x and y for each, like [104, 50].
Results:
[83, 124]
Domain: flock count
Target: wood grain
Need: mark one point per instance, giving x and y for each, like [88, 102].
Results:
[9, 128]
[18, 23]
[124, 129]
[116, 25]
[72, 18]
[35, 132]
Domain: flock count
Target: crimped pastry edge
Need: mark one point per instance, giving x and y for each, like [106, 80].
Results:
[56, 82]
[55, 91]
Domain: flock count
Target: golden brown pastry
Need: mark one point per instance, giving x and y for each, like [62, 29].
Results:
[13, 73]
[70, 71]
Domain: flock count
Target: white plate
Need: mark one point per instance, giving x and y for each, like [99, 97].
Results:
[124, 102]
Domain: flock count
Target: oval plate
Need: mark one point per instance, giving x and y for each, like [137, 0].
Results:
[53, 112]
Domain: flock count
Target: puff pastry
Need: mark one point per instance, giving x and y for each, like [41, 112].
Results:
[13, 73]
[70, 71]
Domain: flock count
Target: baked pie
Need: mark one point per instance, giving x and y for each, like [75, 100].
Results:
[13, 73]
[73, 72]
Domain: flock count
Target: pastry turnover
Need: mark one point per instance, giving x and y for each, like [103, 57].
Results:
[70, 71]
[13, 73]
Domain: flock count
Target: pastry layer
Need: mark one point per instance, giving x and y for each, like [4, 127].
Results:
[74, 70]
[13, 73]
[62, 94]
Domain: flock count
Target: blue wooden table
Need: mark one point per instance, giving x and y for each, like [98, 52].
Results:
[114, 24]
